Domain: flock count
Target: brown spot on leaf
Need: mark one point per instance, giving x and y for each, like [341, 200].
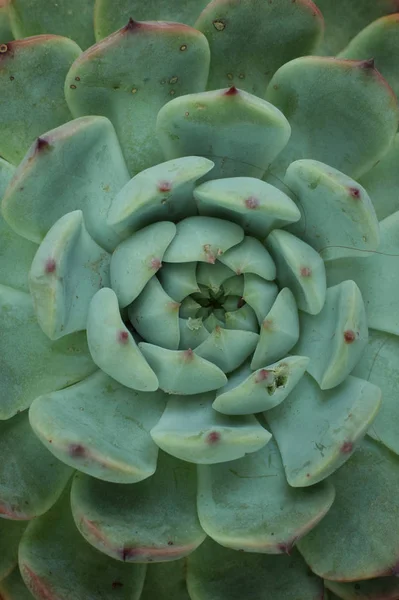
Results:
[346, 447]
[50, 266]
[349, 336]
[213, 437]
[123, 336]
[251, 202]
[76, 451]
[231, 91]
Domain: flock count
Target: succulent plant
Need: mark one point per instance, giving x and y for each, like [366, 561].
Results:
[199, 317]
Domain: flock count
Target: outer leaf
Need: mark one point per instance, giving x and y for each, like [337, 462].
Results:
[381, 588]
[70, 18]
[16, 254]
[358, 538]
[317, 431]
[32, 74]
[376, 274]
[100, 428]
[379, 365]
[81, 166]
[247, 504]
[10, 535]
[13, 587]
[31, 479]
[110, 15]
[165, 581]
[240, 133]
[67, 270]
[112, 346]
[111, 79]
[216, 573]
[255, 205]
[311, 91]
[155, 520]
[382, 182]
[30, 363]
[250, 40]
[192, 430]
[344, 20]
[5, 27]
[380, 40]
[56, 562]
[336, 211]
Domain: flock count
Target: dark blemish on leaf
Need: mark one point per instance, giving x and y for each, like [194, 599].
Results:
[241, 76]
[77, 78]
[186, 114]
[73, 86]
[231, 91]
[164, 186]
[349, 336]
[42, 144]
[354, 192]
[357, 586]
[126, 553]
[306, 272]
[219, 24]
[241, 302]
[170, 543]
[131, 26]
[77, 450]
[262, 375]
[346, 447]
[172, 92]
[116, 585]
[286, 547]
[134, 90]
[213, 437]
[183, 47]
[173, 79]
[12, 78]
[230, 76]
[123, 337]
[367, 65]
[3, 48]
[50, 266]
[251, 202]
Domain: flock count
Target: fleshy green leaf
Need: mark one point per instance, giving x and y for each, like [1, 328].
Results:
[155, 316]
[182, 371]
[31, 364]
[228, 348]
[202, 239]
[112, 79]
[377, 275]
[112, 346]
[336, 211]
[192, 430]
[254, 204]
[16, 254]
[217, 573]
[317, 431]
[110, 15]
[249, 41]
[10, 535]
[5, 25]
[179, 280]
[32, 74]
[379, 365]
[138, 258]
[381, 588]
[342, 113]
[67, 270]
[240, 133]
[31, 479]
[155, 520]
[259, 294]
[380, 39]
[246, 504]
[250, 256]
[382, 182]
[334, 339]
[358, 538]
[160, 193]
[247, 392]
[76, 166]
[56, 562]
[279, 330]
[192, 333]
[165, 581]
[300, 268]
[13, 587]
[100, 428]
[70, 18]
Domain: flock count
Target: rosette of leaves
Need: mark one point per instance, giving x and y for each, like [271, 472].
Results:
[199, 317]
